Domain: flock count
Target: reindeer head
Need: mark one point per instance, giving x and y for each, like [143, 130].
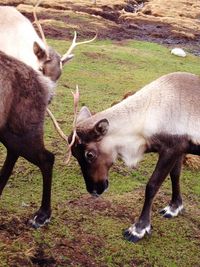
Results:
[51, 63]
[94, 157]
[89, 148]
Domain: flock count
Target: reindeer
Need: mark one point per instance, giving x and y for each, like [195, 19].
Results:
[163, 117]
[24, 98]
[29, 70]
[20, 40]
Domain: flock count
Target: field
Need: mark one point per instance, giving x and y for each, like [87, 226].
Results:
[86, 231]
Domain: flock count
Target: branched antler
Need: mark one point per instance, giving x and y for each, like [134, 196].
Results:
[60, 132]
[68, 54]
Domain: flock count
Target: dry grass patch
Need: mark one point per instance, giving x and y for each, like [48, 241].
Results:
[167, 20]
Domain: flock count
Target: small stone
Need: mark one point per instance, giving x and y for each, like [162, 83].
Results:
[178, 52]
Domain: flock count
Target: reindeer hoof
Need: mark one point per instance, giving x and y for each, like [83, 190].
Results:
[36, 224]
[39, 220]
[134, 235]
[130, 237]
[170, 212]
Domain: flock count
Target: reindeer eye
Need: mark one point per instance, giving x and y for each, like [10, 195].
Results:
[90, 156]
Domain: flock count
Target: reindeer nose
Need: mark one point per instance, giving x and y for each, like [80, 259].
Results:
[99, 188]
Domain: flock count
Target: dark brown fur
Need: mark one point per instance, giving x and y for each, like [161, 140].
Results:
[171, 150]
[24, 97]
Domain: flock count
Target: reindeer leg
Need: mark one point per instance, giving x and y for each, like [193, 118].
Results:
[175, 206]
[31, 147]
[7, 168]
[44, 160]
[164, 165]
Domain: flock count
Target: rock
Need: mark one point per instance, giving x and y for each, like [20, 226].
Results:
[178, 52]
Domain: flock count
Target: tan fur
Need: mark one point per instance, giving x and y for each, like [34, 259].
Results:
[170, 102]
[17, 36]
[168, 105]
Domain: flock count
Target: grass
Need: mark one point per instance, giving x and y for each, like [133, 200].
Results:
[86, 231]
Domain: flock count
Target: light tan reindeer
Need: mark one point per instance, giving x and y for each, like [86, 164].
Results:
[162, 117]
[20, 40]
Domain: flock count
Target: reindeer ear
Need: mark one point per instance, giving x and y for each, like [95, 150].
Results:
[39, 51]
[101, 127]
[83, 114]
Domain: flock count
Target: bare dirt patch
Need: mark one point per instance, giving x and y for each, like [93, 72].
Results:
[104, 207]
[74, 252]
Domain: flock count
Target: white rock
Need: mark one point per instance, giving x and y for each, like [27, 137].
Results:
[178, 52]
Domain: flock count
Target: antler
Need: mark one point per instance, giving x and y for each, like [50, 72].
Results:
[60, 132]
[36, 21]
[56, 125]
[67, 56]
[76, 96]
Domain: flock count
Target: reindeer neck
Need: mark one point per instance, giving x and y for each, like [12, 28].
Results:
[124, 133]
[119, 116]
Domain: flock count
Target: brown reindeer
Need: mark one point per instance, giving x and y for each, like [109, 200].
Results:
[20, 40]
[26, 87]
[24, 95]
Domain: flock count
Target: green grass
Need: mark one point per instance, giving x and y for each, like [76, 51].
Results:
[84, 231]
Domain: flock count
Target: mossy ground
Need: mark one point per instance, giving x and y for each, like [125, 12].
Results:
[86, 231]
